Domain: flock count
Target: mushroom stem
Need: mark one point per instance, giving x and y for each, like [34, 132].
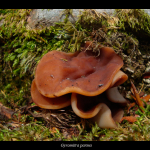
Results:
[138, 100]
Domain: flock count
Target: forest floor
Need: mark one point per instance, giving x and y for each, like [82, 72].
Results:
[20, 51]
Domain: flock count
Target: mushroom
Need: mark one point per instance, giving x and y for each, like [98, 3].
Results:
[46, 102]
[114, 96]
[81, 73]
[99, 108]
[86, 106]
[85, 81]
[104, 118]
[102, 109]
[118, 79]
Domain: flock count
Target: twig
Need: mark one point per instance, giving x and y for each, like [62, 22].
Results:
[138, 100]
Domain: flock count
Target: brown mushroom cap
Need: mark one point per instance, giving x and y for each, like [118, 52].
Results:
[59, 73]
[49, 103]
[119, 78]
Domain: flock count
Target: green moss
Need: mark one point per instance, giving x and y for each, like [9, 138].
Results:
[23, 48]
[135, 21]
[90, 19]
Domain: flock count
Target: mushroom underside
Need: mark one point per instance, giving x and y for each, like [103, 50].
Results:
[99, 108]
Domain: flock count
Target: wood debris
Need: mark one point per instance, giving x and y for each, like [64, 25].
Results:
[5, 112]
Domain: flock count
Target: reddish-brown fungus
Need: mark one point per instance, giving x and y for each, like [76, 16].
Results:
[87, 76]
[99, 108]
[49, 103]
[82, 73]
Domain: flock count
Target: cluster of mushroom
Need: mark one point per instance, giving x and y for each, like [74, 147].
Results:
[86, 82]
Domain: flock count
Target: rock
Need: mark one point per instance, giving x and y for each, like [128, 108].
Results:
[146, 81]
[1, 22]
[147, 11]
[40, 17]
[48, 17]
[148, 67]
[45, 17]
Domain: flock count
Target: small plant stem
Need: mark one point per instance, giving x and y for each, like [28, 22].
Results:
[138, 100]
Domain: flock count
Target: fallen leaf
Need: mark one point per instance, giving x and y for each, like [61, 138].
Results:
[54, 130]
[130, 119]
[130, 106]
[5, 112]
[146, 98]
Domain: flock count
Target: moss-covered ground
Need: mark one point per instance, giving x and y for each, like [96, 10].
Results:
[21, 49]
